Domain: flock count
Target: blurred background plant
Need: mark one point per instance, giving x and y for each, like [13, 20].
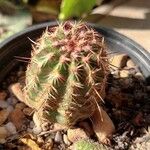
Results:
[15, 15]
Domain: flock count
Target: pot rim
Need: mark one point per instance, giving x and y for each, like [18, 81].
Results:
[136, 51]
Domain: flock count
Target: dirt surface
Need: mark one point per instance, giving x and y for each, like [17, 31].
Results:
[127, 102]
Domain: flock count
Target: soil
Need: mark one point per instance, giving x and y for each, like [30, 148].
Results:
[127, 102]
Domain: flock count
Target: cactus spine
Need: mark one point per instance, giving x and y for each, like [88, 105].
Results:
[67, 73]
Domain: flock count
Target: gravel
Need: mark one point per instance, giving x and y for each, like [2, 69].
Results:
[130, 113]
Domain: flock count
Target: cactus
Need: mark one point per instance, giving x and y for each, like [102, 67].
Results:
[67, 73]
[88, 145]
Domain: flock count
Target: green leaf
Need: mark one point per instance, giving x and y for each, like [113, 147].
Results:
[75, 8]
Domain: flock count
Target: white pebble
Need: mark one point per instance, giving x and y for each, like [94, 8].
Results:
[65, 139]
[31, 124]
[2, 141]
[37, 130]
[3, 104]
[11, 128]
[58, 137]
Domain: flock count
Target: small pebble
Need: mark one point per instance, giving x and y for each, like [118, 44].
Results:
[3, 104]
[37, 130]
[65, 139]
[10, 108]
[3, 116]
[58, 137]
[3, 132]
[2, 141]
[3, 95]
[18, 118]
[139, 76]
[124, 73]
[9, 100]
[119, 61]
[20, 106]
[11, 128]
[58, 126]
[130, 64]
[28, 111]
[31, 124]
[76, 134]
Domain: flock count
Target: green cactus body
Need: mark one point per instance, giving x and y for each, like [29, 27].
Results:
[67, 73]
[88, 145]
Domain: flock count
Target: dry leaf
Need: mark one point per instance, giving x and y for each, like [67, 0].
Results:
[32, 144]
[29, 136]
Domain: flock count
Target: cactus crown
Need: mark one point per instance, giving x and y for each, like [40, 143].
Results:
[67, 72]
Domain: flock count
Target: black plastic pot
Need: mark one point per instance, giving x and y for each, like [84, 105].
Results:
[20, 45]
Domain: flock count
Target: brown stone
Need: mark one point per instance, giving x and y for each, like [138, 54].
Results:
[3, 141]
[20, 106]
[28, 111]
[139, 76]
[65, 139]
[3, 115]
[3, 133]
[17, 117]
[124, 73]
[76, 134]
[58, 126]
[130, 64]
[3, 95]
[118, 61]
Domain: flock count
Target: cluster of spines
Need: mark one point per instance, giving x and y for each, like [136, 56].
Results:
[67, 72]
